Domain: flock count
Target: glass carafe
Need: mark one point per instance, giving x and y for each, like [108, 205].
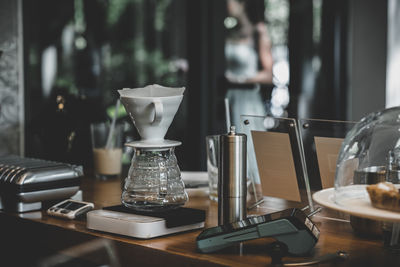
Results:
[154, 181]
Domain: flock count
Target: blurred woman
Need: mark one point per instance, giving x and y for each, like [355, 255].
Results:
[248, 57]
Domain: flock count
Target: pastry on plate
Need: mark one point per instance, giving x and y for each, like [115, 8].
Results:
[384, 196]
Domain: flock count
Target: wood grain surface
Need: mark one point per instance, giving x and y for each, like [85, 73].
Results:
[28, 238]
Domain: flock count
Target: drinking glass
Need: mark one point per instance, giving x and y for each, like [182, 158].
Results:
[107, 149]
[212, 142]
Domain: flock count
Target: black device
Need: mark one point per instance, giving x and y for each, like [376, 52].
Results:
[291, 227]
[70, 209]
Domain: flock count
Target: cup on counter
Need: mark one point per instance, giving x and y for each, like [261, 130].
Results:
[107, 149]
[212, 144]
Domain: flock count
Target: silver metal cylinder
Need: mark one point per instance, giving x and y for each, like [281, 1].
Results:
[232, 172]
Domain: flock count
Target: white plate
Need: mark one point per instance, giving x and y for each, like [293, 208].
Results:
[196, 183]
[360, 207]
[195, 177]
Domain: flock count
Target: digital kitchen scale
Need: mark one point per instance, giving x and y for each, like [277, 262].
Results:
[144, 225]
[291, 227]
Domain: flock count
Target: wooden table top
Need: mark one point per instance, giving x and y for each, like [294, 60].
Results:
[180, 249]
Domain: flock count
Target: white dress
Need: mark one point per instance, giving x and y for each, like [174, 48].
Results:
[242, 63]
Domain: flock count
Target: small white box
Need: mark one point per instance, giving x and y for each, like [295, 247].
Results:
[133, 225]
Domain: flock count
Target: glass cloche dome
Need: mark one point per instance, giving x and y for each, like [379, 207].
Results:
[369, 154]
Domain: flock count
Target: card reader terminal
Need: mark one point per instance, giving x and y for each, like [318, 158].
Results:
[291, 227]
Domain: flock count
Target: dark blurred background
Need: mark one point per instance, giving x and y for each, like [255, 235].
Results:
[330, 56]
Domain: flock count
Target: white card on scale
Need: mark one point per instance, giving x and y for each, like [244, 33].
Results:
[134, 225]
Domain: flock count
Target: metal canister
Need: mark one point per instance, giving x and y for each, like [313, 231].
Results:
[232, 189]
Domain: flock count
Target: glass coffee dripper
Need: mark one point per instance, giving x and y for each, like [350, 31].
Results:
[154, 180]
